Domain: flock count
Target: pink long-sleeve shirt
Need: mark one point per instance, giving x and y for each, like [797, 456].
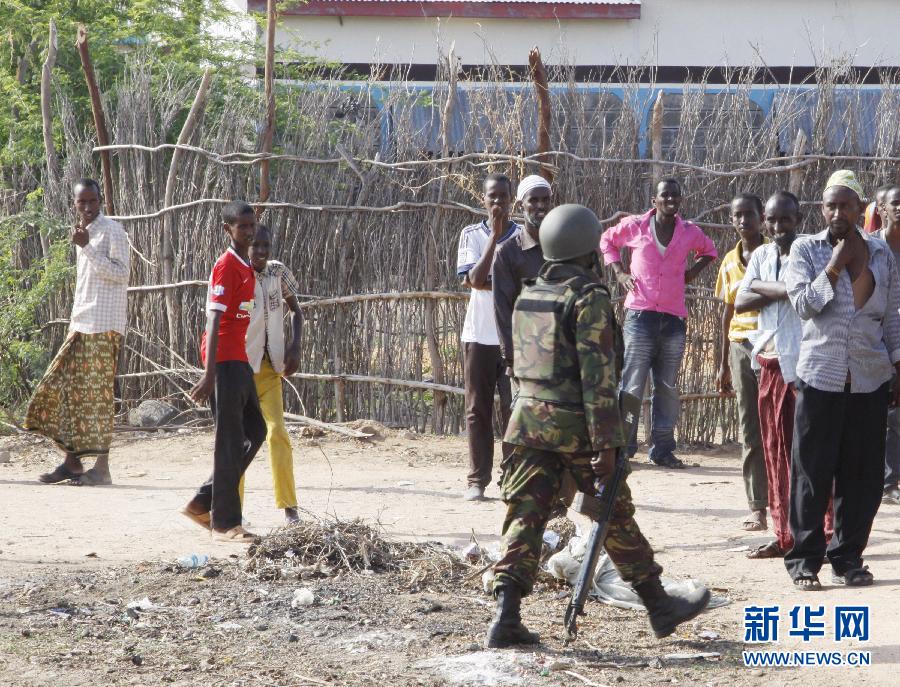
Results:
[658, 278]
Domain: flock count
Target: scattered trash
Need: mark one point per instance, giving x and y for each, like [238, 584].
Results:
[708, 634]
[137, 659]
[472, 552]
[192, 560]
[738, 549]
[92, 554]
[609, 587]
[551, 539]
[143, 605]
[405, 484]
[302, 597]
[487, 581]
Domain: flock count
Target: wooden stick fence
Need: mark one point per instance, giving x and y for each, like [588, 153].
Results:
[366, 203]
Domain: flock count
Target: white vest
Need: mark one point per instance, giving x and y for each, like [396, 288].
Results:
[266, 330]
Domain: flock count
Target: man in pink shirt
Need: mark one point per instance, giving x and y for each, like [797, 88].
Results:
[661, 243]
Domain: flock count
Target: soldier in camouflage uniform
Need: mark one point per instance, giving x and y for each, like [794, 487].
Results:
[568, 356]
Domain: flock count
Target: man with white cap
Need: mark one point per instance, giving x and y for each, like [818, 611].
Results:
[519, 258]
[845, 287]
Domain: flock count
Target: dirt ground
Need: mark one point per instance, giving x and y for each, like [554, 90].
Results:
[72, 560]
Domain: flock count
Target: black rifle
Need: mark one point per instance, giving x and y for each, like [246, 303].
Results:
[599, 509]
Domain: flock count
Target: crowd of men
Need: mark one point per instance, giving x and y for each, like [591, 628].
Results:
[810, 346]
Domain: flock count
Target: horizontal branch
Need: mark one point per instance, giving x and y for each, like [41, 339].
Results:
[402, 206]
[167, 287]
[403, 383]
[764, 166]
[390, 296]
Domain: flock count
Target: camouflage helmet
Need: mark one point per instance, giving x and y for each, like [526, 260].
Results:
[569, 231]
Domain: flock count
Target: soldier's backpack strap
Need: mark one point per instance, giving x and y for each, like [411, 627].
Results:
[579, 286]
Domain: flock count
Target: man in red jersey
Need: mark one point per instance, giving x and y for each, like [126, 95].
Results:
[227, 381]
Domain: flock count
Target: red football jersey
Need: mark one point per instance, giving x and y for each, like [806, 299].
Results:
[231, 288]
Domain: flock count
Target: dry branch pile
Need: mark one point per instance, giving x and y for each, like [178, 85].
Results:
[320, 548]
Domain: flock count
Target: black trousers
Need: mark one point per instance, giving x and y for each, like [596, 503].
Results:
[838, 444]
[483, 373]
[240, 431]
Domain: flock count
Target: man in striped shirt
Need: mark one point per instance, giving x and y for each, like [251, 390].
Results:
[845, 287]
[735, 359]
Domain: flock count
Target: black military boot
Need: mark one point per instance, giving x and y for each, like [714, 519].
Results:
[668, 611]
[507, 628]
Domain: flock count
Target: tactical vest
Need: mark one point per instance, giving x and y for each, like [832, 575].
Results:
[546, 358]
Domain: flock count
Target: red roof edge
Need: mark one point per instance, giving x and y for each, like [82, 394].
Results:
[471, 10]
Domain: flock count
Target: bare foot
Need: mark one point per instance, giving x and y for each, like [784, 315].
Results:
[92, 478]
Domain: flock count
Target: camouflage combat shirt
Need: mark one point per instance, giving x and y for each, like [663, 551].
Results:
[568, 357]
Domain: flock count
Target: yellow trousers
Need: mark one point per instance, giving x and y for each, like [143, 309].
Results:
[281, 456]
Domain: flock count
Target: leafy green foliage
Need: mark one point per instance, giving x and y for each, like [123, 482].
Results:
[26, 289]
[185, 36]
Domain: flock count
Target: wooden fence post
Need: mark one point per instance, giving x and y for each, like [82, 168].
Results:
[173, 309]
[81, 44]
[53, 174]
[269, 132]
[542, 91]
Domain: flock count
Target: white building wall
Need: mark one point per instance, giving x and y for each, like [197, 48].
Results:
[669, 33]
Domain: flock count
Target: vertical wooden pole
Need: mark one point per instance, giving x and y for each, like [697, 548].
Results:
[53, 174]
[81, 44]
[439, 406]
[542, 91]
[656, 137]
[795, 183]
[269, 131]
[173, 304]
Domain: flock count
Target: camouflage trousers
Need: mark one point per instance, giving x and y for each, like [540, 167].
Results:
[531, 490]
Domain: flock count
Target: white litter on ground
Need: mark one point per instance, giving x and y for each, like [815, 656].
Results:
[484, 668]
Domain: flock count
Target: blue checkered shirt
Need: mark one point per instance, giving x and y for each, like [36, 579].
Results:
[837, 337]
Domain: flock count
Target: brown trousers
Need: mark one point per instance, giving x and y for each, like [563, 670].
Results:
[483, 374]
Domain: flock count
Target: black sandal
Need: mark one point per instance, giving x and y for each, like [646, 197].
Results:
[770, 550]
[811, 580]
[60, 474]
[855, 577]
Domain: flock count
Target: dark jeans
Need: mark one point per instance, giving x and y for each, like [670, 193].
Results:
[838, 443]
[483, 373]
[240, 431]
[654, 345]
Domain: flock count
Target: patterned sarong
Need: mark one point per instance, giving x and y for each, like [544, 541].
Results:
[73, 403]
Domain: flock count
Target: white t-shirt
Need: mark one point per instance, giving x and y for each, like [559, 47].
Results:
[480, 326]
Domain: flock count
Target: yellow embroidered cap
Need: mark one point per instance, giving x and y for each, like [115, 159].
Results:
[846, 178]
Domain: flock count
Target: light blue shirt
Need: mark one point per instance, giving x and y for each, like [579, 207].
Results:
[837, 337]
[778, 321]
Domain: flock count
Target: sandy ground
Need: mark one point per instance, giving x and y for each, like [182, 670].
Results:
[411, 485]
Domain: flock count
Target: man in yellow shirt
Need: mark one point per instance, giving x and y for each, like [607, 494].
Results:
[735, 370]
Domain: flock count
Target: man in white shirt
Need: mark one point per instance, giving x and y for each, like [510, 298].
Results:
[73, 404]
[271, 360]
[483, 370]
